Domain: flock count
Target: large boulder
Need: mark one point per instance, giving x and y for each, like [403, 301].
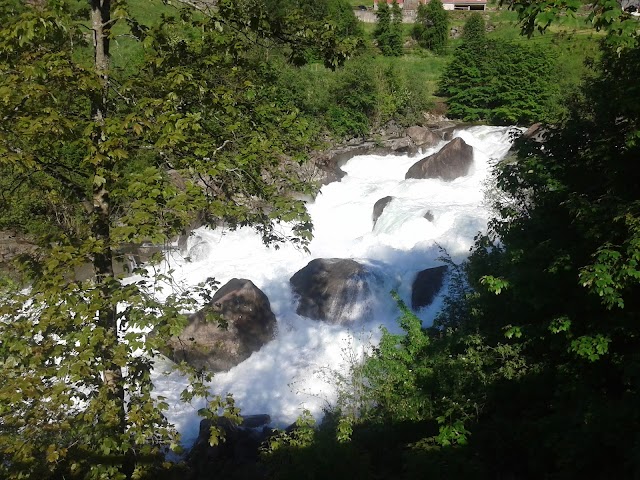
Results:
[379, 207]
[426, 286]
[238, 452]
[334, 290]
[452, 161]
[396, 146]
[237, 322]
[423, 136]
[536, 133]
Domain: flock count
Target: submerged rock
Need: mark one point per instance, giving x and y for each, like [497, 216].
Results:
[426, 286]
[243, 323]
[333, 290]
[428, 216]
[452, 161]
[379, 207]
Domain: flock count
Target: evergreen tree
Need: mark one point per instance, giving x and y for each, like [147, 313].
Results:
[431, 29]
[474, 28]
[420, 25]
[388, 32]
[396, 29]
[500, 82]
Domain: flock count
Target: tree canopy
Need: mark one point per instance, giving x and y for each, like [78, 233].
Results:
[122, 157]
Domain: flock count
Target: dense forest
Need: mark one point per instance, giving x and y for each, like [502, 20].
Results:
[124, 122]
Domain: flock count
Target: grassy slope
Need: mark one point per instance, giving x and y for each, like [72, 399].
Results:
[572, 40]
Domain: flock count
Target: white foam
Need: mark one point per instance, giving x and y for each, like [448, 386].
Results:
[290, 373]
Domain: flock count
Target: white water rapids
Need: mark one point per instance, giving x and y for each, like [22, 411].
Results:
[294, 370]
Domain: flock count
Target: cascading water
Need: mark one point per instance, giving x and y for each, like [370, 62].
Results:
[294, 370]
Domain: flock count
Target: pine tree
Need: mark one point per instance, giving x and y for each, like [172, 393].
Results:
[431, 29]
[396, 29]
[388, 32]
[474, 28]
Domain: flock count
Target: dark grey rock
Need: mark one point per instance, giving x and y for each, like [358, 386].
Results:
[243, 322]
[330, 289]
[428, 216]
[426, 286]
[423, 136]
[452, 161]
[379, 207]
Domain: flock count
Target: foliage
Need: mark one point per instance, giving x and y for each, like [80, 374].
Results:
[388, 31]
[116, 161]
[363, 95]
[431, 29]
[500, 82]
[474, 28]
[607, 15]
[567, 230]
[397, 38]
[337, 13]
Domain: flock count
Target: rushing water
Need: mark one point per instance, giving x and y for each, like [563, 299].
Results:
[296, 369]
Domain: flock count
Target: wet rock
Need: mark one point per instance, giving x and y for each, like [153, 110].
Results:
[396, 146]
[243, 322]
[452, 161]
[426, 286]
[333, 290]
[423, 136]
[535, 132]
[199, 250]
[379, 207]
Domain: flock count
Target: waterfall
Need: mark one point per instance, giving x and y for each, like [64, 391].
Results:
[297, 369]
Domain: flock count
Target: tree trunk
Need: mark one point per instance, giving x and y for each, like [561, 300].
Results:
[100, 220]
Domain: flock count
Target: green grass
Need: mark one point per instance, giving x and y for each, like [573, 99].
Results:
[357, 3]
[425, 68]
[571, 39]
[127, 53]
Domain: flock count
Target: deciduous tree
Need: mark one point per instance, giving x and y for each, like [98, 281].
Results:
[130, 159]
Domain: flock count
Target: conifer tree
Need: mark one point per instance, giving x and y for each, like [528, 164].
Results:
[474, 28]
[431, 29]
[396, 29]
[388, 32]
